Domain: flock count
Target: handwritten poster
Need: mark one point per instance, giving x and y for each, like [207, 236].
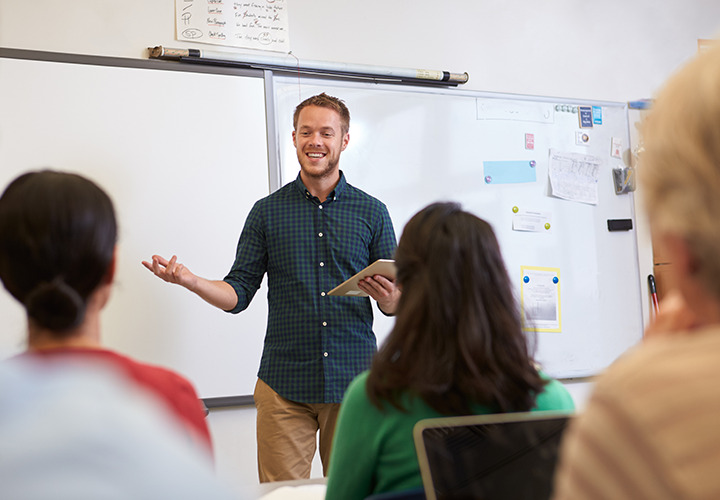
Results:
[258, 24]
[574, 176]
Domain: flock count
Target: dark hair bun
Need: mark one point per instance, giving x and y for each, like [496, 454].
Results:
[55, 305]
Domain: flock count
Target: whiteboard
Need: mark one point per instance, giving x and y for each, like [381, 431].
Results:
[183, 155]
[410, 146]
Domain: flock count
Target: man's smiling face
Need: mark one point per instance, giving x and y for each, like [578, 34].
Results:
[319, 140]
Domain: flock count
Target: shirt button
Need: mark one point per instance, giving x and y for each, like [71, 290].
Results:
[320, 234]
[322, 264]
[325, 354]
[322, 294]
[324, 323]
[320, 207]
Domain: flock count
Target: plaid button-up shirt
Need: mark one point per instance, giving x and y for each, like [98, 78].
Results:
[315, 344]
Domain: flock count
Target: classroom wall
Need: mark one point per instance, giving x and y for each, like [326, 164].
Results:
[612, 50]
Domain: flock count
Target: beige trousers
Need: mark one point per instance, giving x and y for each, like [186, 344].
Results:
[287, 434]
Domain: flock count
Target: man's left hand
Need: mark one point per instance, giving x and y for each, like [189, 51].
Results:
[383, 291]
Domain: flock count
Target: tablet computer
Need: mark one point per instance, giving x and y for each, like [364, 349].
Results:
[349, 288]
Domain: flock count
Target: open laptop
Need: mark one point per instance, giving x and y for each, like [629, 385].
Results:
[499, 456]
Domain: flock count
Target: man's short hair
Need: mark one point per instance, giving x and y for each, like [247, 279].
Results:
[326, 101]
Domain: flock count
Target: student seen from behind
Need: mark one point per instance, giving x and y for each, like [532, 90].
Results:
[650, 428]
[58, 235]
[457, 348]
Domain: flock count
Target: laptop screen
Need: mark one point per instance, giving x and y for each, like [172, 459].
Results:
[511, 455]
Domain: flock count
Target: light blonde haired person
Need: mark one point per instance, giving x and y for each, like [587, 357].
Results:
[650, 429]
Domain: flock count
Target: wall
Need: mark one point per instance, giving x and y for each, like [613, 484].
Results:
[612, 50]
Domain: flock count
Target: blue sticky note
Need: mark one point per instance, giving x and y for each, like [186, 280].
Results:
[509, 172]
[597, 115]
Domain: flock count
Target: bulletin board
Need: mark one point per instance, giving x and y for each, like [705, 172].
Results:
[410, 146]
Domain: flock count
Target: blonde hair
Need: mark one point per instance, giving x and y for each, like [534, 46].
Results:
[679, 169]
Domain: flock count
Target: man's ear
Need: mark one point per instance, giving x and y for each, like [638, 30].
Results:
[683, 265]
[679, 254]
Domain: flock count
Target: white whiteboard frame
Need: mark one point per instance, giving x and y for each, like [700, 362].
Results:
[309, 85]
[276, 143]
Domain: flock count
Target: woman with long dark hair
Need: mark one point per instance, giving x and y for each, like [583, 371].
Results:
[58, 234]
[457, 348]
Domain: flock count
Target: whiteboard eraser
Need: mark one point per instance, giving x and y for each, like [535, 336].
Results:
[619, 224]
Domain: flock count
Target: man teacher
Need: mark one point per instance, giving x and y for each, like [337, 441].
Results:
[309, 236]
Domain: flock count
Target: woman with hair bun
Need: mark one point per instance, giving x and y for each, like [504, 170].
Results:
[58, 234]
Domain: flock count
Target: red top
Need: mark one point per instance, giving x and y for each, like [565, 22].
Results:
[176, 392]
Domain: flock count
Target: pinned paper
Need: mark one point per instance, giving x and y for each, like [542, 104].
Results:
[257, 25]
[582, 138]
[597, 115]
[540, 298]
[585, 116]
[509, 172]
[574, 176]
[536, 221]
[616, 148]
[529, 141]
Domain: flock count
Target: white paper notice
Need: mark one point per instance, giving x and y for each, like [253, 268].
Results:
[574, 176]
[536, 221]
[540, 297]
[258, 24]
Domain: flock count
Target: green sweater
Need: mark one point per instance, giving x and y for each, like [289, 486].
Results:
[374, 452]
